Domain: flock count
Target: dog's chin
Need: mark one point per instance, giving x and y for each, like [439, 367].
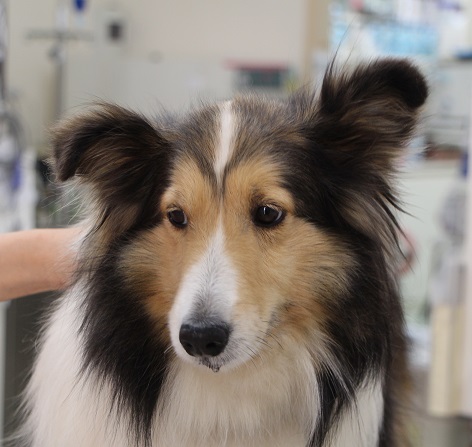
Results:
[214, 365]
[219, 364]
[209, 364]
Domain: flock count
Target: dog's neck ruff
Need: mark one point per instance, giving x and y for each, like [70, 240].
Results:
[273, 402]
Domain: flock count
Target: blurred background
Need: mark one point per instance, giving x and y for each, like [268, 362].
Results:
[57, 55]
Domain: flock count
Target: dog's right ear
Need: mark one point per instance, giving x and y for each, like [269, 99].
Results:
[118, 154]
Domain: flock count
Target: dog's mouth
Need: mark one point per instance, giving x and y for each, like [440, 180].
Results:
[226, 361]
[234, 356]
[210, 363]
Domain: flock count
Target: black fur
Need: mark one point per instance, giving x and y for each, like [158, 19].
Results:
[128, 162]
[122, 156]
[121, 346]
[361, 123]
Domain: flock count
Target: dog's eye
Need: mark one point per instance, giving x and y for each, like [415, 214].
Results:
[177, 218]
[266, 216]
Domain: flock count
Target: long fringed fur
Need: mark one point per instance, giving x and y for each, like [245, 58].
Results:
[335, 154]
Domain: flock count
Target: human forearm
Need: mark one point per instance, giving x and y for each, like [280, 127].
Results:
[36, 261]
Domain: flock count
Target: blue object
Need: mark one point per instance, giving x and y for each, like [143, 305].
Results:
[16, 174]
[465, 164]
[79, 5]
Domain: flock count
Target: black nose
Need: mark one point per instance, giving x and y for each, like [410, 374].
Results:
[204, 339]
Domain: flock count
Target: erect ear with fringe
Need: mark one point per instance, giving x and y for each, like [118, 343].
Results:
[358, 125]
[122, 159]
[365, 116]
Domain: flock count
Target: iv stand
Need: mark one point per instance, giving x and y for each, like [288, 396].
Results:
[58, 54]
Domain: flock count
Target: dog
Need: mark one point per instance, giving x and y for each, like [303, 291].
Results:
[235, 283]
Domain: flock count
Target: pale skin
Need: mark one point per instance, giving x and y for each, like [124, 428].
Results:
[36, 261]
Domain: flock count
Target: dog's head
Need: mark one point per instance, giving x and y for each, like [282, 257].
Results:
[246, 225]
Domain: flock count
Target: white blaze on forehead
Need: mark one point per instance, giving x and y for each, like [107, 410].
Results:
[224, 149]
[208, 289]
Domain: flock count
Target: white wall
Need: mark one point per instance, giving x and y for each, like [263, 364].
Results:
[234, 29]
[156, 30]
[30, 74]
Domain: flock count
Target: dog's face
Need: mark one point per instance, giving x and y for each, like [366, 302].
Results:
[237, 230]
[233, 265]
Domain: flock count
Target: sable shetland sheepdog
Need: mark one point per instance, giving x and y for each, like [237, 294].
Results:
[235, 285]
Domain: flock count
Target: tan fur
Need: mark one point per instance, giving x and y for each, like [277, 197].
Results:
[299, 272]
[157, 261]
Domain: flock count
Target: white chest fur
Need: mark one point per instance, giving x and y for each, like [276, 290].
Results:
[254, 406]
[269, 403]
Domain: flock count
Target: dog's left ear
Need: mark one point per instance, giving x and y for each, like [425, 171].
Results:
[357, 128]
[366, 115]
